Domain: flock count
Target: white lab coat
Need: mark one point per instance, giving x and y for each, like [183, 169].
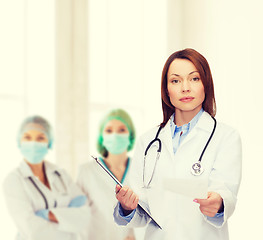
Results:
[100, 189]
[178, 215]
[23, 200]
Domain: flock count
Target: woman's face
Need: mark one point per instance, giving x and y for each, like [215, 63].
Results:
[34, 146]
[34, 135]
[185, 88]
[115, 126]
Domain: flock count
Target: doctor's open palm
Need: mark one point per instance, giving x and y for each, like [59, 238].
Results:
[127, 198]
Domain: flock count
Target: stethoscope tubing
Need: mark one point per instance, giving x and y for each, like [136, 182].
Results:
[42, 194]
[208, 141]
[157, 139]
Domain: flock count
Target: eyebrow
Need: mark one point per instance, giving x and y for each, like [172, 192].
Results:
[188, 74]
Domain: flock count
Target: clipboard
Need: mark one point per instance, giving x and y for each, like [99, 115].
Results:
[118, 182]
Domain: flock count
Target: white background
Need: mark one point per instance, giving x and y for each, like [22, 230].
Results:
[128, 43]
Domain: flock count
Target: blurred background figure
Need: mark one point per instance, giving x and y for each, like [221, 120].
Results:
[41, 198]
[116, 137]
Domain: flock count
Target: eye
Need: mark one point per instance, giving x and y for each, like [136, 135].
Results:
[108, 130]
[122, 130]
[27, 137]
[195, 79]
[41, 138]
[175, 81]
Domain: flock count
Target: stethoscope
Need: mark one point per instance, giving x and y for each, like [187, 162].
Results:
[196, 168]
[42, 194]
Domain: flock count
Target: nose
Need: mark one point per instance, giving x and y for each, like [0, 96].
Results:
[185, 87]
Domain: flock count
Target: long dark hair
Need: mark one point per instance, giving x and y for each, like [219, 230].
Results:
[202, 66]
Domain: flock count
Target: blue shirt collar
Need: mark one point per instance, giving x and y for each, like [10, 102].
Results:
[186, 127]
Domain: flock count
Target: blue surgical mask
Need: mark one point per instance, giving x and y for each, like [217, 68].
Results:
[34, 152]
[116, 143]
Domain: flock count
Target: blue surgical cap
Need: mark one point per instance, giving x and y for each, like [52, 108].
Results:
[39, 123]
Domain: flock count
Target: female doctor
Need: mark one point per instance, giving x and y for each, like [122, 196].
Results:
[194, 149]
[41, 198]
[115, 139]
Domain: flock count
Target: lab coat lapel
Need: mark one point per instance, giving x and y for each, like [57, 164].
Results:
[166, 138]
[25, 170]
[50, 175]
[190, 136]
[205, 123]
[104, 178]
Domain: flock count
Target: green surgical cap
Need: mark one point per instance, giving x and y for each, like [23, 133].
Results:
[122, 116]
[36, 122]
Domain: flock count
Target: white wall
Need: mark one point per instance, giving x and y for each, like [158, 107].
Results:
[26, 79]
[128, 45]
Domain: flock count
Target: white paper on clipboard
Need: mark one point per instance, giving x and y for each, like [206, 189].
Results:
[193, 188]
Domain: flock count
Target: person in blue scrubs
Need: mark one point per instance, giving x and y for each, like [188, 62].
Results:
[116, 138]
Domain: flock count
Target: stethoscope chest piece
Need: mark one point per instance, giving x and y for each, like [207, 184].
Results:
[197, 169]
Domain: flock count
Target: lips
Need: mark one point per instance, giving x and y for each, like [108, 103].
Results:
[186, 99]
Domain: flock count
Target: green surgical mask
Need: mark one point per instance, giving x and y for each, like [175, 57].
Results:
[116, 143]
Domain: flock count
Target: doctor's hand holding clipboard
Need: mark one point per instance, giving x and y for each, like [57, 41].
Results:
[189, 147]
[127, 198]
